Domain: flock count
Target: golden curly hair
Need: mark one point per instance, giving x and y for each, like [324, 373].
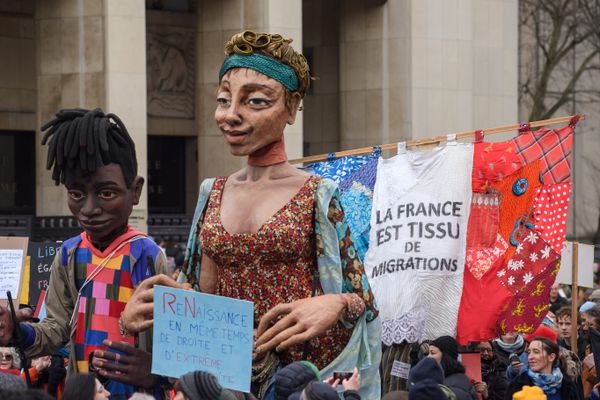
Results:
[274, 46]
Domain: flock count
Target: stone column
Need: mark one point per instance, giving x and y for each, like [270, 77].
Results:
[375, 104]
[125, 74]
[217, 21]
[90, 54]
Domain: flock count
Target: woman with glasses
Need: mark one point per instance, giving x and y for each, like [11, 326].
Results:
[10, 359]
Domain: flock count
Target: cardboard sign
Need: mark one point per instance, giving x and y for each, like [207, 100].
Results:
[12, 264]
[40, 255]
[585, 265]
[472, 364]
[196, 331]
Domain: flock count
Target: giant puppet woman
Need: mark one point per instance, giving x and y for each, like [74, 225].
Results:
[274, 235]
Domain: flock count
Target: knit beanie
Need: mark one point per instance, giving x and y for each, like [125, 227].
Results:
[201, 385]
[448, 346]
[427, 368]
[427, 389]
[11, 383]
[543, 331]
[293, 378]
[317, 391]
[530, 393]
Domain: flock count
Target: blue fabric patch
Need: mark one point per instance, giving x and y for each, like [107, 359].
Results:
[93, 337]
[338, 170]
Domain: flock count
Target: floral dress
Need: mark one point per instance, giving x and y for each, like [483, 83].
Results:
[272, 266]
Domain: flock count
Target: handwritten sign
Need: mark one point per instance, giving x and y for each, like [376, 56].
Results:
[11, 261]
[196, 331]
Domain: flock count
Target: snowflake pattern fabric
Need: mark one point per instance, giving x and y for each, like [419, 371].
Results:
[531, 256]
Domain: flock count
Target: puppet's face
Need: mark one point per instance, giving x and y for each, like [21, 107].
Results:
[251, 111]
[102, 202]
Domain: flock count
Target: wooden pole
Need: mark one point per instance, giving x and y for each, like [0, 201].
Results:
[437, 139]
[574, 298]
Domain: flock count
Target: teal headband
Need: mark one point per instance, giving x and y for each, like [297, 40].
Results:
[265, 65]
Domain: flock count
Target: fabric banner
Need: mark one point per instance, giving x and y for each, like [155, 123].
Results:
[416, 254]
[515, 233]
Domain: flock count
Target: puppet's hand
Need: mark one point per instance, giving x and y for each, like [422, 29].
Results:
[6, 323]
[133, 368]
[300, 321]
[139, 312]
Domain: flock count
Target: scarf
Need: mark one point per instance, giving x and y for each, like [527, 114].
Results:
[511, 347]
[549, 383]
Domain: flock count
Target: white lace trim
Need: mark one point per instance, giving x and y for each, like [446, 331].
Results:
[409, 327]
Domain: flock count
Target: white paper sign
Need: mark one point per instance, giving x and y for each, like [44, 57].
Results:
[11, 261]
[400, 369]
[585, 265]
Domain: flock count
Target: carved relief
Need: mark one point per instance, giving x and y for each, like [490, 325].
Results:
[170, 72]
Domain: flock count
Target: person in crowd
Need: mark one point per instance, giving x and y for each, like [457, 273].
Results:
[201, 385]
[351, 385]
[26, 394]
[274, 235]
[396, 395]
[555, 297]
[10, 383]
[48, 373]
[563, 317]
[318, 391]
[543, 371]
[590, 318]
[595, 296]
[294, 377]
[429, 369]
[10, 358]
[84, 387]
[493, 373]
[95, 273]
[445, 351]
[508, 344]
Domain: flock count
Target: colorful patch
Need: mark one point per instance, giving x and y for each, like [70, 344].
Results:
[480, 260]
[551, 146]
[531, 256]
[551, 206]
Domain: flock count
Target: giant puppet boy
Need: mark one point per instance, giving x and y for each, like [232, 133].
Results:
[95, 273]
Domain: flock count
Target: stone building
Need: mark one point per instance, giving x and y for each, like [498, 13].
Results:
[387, 71]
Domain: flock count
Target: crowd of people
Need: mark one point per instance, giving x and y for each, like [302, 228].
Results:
[270, 234]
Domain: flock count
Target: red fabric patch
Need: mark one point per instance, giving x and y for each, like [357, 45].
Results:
[492, 162]
[481, 304]
[480, 260]
[529, 306]
[116, 308]
[550, 212]
[553, 147]
[483, 220]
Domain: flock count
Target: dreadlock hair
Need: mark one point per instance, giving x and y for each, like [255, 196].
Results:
[81, 141]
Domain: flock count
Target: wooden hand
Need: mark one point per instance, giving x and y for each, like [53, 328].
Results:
[299, 321]
[133, 368]
[138, 314]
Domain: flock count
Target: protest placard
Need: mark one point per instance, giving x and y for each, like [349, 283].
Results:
[40, 255]
[196, 331]
[12, 263]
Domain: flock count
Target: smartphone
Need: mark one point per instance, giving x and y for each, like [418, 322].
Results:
[514, 358]
[341, 375]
